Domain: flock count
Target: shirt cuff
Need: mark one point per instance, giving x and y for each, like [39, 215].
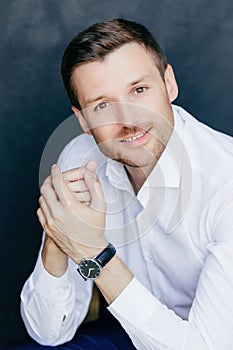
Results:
[136, 305]
[49, 285]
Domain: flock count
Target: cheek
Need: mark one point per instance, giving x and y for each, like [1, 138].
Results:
[162, 108]
[104, 133]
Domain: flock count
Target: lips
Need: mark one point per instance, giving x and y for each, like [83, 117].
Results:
[136, 137]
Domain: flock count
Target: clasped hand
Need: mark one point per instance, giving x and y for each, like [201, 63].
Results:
[72, 211]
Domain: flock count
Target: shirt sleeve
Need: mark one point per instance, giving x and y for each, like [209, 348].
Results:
[151, 325]
[52, 308]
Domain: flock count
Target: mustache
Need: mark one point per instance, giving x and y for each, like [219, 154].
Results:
[127, 130]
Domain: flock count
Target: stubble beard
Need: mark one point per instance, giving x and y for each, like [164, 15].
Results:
[142, 155]
[139, 157]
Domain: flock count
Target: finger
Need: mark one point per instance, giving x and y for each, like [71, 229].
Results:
[83, 197]
[45, 208]
[95, 188]
[61, 188]
[78, 173]
[77, 186]
[74, 174]
[91, 165]
[41, 218]
[48, 193]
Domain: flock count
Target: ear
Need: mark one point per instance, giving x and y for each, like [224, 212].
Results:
[82, 120]
[170, 82]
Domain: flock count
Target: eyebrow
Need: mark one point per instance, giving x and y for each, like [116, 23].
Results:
[94, 99]
[134, 82]
[141, 79]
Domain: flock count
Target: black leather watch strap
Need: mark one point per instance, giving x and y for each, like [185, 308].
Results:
[106, 255]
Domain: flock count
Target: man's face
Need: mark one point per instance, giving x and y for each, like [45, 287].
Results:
[127, 105]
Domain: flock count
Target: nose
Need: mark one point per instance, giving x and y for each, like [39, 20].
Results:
[126, 113]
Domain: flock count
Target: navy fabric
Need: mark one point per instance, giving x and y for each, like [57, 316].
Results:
[97, 335]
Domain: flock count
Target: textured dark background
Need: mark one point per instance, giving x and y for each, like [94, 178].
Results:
[197, 38]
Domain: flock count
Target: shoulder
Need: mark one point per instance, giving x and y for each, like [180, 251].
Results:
[210, 151]
[79, 151]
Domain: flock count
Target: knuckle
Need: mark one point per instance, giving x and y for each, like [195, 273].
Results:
[43, 188]
[47, 230]
[50, 224]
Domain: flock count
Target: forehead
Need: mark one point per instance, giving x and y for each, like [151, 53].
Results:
[119, 68]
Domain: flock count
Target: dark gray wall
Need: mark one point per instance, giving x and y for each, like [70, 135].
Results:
[197, 37]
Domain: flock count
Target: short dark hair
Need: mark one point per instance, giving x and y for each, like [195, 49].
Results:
[97, 41]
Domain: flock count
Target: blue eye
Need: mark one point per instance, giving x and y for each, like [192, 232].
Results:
[101, 106]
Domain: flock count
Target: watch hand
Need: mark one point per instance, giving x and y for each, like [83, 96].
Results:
[90, 271]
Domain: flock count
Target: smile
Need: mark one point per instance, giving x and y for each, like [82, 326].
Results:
[133, 138]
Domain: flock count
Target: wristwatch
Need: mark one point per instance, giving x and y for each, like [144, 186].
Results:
[90, 269]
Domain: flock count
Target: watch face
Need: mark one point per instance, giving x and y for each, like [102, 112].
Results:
[89, 268]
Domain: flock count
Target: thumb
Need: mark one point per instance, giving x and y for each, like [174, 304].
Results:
[95, 189]
[91, 165]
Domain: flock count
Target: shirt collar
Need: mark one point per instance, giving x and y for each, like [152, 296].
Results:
[166, 172]
[116, 173]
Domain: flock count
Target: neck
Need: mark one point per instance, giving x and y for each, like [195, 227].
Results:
[137, 176]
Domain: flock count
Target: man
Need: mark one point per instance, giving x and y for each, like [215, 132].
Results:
[163, 198]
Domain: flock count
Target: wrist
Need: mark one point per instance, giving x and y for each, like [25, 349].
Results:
[55, 261]
[91, 268]
[114, 279]
[91, 250]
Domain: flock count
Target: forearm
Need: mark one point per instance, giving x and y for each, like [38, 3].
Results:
[114, 278]
[151, 325]
[148, 322]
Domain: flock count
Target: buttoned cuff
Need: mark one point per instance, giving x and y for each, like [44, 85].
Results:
[136, 305]
[49, 285]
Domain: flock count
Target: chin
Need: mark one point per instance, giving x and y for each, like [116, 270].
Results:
[139, 163]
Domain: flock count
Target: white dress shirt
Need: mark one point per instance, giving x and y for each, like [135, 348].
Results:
[175, 235]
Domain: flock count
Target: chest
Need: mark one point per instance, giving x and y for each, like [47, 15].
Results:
[167, 261]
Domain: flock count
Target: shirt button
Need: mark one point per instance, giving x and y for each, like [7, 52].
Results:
[161, 300]
[64, 289]
[149, 257]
